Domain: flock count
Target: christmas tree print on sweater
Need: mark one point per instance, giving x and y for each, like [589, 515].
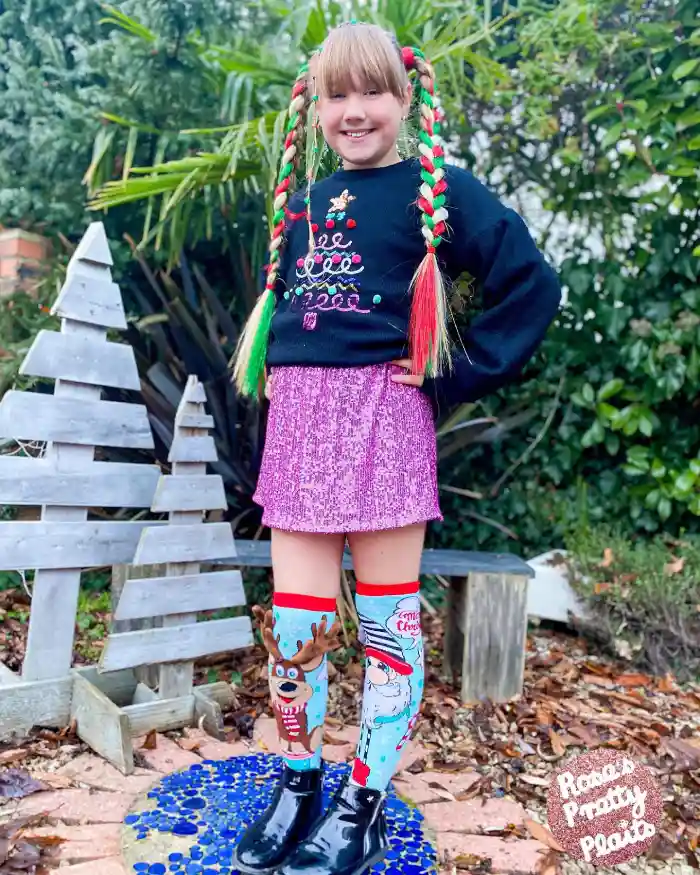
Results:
[326, 277]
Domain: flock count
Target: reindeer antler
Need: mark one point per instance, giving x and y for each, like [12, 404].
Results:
[267, 630]
[319, 644]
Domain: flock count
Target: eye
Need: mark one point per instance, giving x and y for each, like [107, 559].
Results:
[372, 92]
[293, 674]
[383, 666]
[279, 671]
[337, 96]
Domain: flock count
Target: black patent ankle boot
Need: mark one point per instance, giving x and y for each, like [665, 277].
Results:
[295, 807]
[350, 838]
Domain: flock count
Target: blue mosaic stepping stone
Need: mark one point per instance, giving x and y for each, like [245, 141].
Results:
[214, 802]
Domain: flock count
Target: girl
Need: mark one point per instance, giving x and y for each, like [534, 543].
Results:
[353, 326]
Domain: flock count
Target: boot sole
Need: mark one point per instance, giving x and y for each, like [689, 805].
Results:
[377, 858]
[250, 871]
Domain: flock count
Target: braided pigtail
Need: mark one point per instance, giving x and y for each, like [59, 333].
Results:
[251, 352]
[429, 346]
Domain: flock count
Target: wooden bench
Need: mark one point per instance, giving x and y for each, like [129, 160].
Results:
[486, 622]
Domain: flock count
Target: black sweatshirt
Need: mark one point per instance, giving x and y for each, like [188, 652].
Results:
[348, 303]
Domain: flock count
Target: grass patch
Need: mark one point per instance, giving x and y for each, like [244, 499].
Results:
[643, 598]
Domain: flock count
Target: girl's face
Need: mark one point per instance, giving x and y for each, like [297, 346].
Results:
[362, 125]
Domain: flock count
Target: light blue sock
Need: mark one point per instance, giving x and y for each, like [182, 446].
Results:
[297, 634]
[394, 674]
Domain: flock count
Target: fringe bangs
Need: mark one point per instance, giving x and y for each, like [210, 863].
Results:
[360, 56]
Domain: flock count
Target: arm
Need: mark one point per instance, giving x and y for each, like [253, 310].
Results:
[521, 296]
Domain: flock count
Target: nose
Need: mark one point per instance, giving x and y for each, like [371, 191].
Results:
[354, 109]
[288, 687]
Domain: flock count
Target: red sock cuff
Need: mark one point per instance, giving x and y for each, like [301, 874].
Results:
[304, 602]
[388, 588]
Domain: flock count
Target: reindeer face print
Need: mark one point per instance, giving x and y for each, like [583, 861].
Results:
[291, 685]
[288, 683]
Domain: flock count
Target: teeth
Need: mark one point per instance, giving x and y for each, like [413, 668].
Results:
[356, 135]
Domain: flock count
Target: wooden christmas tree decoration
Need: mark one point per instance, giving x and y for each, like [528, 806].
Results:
[67, 480]
[178, 597]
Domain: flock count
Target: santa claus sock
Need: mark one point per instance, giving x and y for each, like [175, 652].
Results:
[391, 633]
[298, 676]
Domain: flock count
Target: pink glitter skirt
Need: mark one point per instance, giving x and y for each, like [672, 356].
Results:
[347, 450]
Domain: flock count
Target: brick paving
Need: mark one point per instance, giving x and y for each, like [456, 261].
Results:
[89, 816]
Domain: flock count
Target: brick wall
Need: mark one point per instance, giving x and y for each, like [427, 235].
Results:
[22, 255]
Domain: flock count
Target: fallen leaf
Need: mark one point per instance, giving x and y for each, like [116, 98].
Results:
[12, 756]
[675, 566]
[634, 680]
[54, 781]
[542, 834]
[535, 780]
[558, 745]
[608, 558]
[16, 784]
[151, 741]
[687, 756]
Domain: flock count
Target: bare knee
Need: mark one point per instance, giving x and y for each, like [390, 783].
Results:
[307, 563]
[389, 556]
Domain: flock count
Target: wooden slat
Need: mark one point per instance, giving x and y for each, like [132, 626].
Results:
[49, 545]
[160, 596]
[194, 392]
[82, 359]
[33, 416]
[56, 590]
[161, 716]
[93, 247]
[88, 299]
[458, 563]
[102, 724]
[195, 420]
[119, 686]
[189, 492]
[192, 449]
[190, 543]
[176, 643]
[41, 703]
[7, 676]
[36, 482]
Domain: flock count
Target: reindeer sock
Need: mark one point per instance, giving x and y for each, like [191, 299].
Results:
[391, 633]
[298, 633]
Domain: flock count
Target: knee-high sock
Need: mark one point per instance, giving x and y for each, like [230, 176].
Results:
[394, 673]
[297, 634]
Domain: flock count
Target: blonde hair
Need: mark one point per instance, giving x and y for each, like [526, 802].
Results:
[360, 54]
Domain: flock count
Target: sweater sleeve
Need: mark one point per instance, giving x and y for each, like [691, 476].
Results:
[520, 294]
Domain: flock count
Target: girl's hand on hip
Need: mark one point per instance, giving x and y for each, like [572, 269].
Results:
[268, 388]
[407, 379]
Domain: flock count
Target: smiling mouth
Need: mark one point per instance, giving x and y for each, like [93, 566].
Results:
[286, 699]
[356, 135]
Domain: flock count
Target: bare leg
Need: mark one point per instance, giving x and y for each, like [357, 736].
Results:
[390, 556]
[306, 563]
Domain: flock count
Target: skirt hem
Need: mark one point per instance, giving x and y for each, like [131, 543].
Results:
[351, 527]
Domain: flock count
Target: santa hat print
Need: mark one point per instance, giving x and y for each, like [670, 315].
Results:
[382, 645]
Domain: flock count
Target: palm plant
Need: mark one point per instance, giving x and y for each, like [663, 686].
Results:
[193, 193]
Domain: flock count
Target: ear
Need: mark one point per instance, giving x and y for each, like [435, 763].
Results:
[313, 663]
[407, 97]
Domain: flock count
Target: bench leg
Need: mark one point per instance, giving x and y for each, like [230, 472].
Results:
[451, 651]
[494, 620]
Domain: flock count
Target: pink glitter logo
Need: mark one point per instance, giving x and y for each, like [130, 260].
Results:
[603, 808]
[310, 321]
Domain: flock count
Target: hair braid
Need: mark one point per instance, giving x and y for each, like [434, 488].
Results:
[428, 340]
[251, 352]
